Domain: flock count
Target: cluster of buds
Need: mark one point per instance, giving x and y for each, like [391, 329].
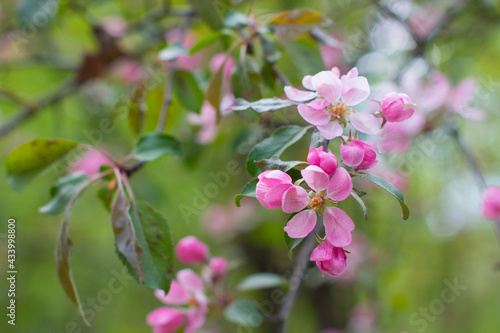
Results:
[190, 294]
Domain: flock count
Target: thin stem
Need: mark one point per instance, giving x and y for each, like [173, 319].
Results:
[298, 273]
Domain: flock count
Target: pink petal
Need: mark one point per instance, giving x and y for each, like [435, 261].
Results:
[328, 85]
[195, 319]
[355, 90]
[352, 153]
[331, 130]
[275, 195]
[336, 265]
[176, 295]
[189, 280]
[278, 175]
[366, 123]
[338, 226]
[315, 177]
[318, 103]
[340, 185]
[301, 224]
[315, 117]
[322, 252]
[313, 156]
[307, 82]
[165, 320]
[298, 95]
[295, 199]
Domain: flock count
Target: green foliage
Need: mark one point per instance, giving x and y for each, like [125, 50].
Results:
[262, 105]
[243, 311]
[151, 146]
[248, 191]
[62, 192]
[261, 281]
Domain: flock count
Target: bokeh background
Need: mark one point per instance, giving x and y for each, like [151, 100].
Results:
[403, 266]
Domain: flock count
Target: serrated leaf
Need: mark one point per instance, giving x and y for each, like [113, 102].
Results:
[31, 159]
[62, 192]
[248, 191]
[274, 145]
[262, 105]
[172, 52]
[361, 203]
[153, 235]
[261, 281]
[391, 189]
[151, 146]
[125, 236]
[275, 163]
[243, 311]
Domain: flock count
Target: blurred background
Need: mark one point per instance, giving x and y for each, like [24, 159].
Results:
[398, 269]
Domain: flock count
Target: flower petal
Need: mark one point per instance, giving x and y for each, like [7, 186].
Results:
[307, 82]
[352, 153]
[315, 117]
[331, 130]
[315, 177]
[298, 95]
[301, 224]
[327, 85]
[324, 251]
[340, 185]
[176, 295]
[366, 123]
[338, 226]
[355, 90]
[295, 199]
[189, 280]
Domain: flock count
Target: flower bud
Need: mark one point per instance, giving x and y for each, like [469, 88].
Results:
[325, 160]
[396, 107]
[271, 186]
[491, 203]
[218, 266]
[190, 250]
[329, 259]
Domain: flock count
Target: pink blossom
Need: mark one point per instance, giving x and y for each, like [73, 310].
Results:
[127, 70]
[429, 94]
[218, 266]
[187, 290]
[229, 65]
[207, 119]
[460, 100]
[188, 63]
[396, 107]
[325, 160]
[321, 199]
[358, 154]
[190, 250]
[165, 320]
[271, 187]
[329, 259]
[491, 203]
[330, 98]
[331, 56]
[90, 163]
[399, 136]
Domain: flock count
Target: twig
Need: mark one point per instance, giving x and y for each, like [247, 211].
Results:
[298, 273]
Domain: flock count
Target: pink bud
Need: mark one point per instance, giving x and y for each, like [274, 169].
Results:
[190, 250]
[396, 107]
[271, 186]
[491, 203]
[329, 259]
[165, 320]
[358, 154]
[90, 163]
[325, 160]
[218, 266]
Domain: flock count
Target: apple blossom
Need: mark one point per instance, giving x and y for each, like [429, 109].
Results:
[329, 259]
[90, 163]
[190, 250]
[165, 320]
[207, 119]
[218, 266]
[330, 98]
[271, 187]
[325, 160]
[491, 203]
[358, 154]
[396, 107]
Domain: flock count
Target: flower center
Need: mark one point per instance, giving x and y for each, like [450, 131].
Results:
[316, 203]
[192, 301]
[340, 110]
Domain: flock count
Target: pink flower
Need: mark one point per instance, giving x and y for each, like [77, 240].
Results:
[190, 250]
[329, 259]
[325, 160]
[185, 62]
[491, 203]
[396, 107]
[187, 289]
[90, 163]
[331, 56]
[165, 320]
[429, 94]
[207, 119]
[271, 187]
[229, 65]
[358, 154]
[399, 136]
[321, 199]
[218, 266]
[127, 70]
[461, 98]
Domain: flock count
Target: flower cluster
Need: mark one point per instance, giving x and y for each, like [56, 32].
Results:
[188, 298]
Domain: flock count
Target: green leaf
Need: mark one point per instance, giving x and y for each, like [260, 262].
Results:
[137, 109]
[106, 196]
[296, 23]
[172, 52]
[305, 55]
[151, 146]
[235, 19]
[215, 87]
[248, 191]
[188, 91]
[244, 311]
[275, 163]
[274, 145]
[205, 41]
[391, 189]
[29, 11]
[211, 12]
[125, 236]
[153, 235]
[262, 105]
[62, 192]
[31, 159]
[361, 203]
[246, 81]
[261, 281]
[64, 248]
[291, 243]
